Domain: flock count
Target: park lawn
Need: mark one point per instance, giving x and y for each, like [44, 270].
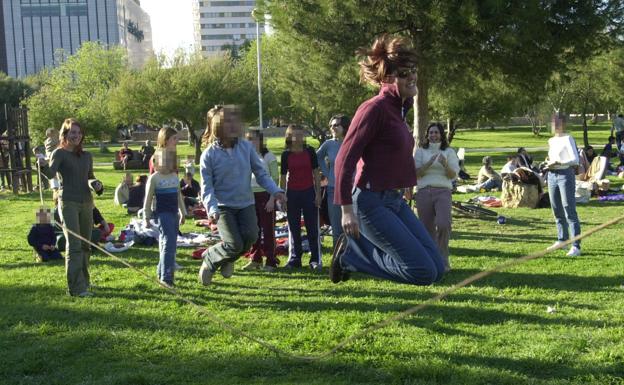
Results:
[495, 331]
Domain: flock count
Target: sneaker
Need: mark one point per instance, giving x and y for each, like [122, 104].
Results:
[336, 272]
[315, 266]
[227, 269]
[177, 267]
[574, 252]
[269, 269]
[205, 275]
[252, 265]
[85, 294]
[555, 245]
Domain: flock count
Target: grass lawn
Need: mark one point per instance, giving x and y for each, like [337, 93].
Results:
[496, 331]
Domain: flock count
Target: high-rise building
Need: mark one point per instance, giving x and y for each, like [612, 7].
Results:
[223, 23]
[33, 33]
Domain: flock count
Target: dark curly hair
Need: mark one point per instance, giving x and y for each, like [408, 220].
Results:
[443, 141]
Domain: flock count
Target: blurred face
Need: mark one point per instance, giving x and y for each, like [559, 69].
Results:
[128, 179]
[297, 137]
[43, 216]
[336, 129]
[255, 140]
[165, 161]
[434, 135]
[558, 125]
[172, 142]
[74, 135]
[405, 79]
[232, 125]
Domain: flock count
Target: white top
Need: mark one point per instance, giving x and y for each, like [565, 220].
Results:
[562, 149]
[435, 175]
[508, 168]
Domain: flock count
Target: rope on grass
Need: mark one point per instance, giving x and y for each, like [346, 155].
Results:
[362, 333]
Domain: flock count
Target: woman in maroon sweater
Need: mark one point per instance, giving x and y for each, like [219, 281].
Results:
[383, 236]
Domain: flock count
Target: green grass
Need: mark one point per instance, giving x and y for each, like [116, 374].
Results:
[496, 331]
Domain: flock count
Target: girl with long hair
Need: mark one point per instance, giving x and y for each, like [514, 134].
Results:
[226, 166]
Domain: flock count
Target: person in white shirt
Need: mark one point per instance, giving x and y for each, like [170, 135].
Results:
[510, 166]
[562, 160]
[437, 166]
[618, 127]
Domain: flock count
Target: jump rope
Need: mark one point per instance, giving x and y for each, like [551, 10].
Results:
[358, 335]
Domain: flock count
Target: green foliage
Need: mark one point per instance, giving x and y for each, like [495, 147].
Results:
[80, 87]
[457, 42]
[13, 91]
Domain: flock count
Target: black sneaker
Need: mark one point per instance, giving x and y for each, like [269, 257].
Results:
[336, 272]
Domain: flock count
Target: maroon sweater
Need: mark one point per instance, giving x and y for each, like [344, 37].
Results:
[377, 148]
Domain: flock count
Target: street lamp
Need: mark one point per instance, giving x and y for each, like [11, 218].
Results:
[258, 16]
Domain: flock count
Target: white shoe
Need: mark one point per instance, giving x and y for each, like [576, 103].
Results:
[227, 269]
[574, 252]
[252, 266]
[555, 245]
[177, 267]
[205, 275]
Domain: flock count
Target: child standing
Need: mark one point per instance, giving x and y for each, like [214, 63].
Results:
[163, 188]
[226, 167]
[300, 175]
[265, 245]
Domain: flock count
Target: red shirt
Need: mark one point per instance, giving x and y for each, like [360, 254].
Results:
[377, 148]
[299, 167]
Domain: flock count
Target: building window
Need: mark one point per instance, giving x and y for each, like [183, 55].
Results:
[231, 3]
[216, 37]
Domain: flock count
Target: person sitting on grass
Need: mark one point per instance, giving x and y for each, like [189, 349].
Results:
[510, 166]
[488, 179]
[125, 155]
[42, 237]
[191, 191]
[136, 195]
[122, 191]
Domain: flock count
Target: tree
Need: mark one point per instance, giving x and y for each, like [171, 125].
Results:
[523, 40]
[80, 87]
[304, 83]
[13, 91]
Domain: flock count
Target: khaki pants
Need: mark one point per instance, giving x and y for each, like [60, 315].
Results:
[78, 217]
[434, 211]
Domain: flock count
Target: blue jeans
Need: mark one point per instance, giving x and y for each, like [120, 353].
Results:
[393, 244]
[335, 214]
[491, 184]
[302, 202]
[561, 186]
[238, 229]
[168, 227]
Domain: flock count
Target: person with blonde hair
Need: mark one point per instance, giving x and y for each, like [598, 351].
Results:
[226, 166]
[74, 168]
[163, 189]
[382, 236]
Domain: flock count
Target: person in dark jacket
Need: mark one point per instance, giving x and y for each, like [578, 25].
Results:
[373, 167]
[42, 237]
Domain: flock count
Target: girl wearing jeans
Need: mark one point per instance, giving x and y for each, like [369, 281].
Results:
[384, 237]
[301, 177]
[562, 160]
[162, 187]
[226, 166]
[326, 154]
[265, 245]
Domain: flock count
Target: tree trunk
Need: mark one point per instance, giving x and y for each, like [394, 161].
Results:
[421, 105]
[585, 137]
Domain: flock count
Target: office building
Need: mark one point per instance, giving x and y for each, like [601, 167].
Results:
[35, 34]
[223, 23]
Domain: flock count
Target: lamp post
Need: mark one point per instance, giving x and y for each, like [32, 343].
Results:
[257, 15]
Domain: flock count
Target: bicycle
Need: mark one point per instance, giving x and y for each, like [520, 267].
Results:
[473, 211]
